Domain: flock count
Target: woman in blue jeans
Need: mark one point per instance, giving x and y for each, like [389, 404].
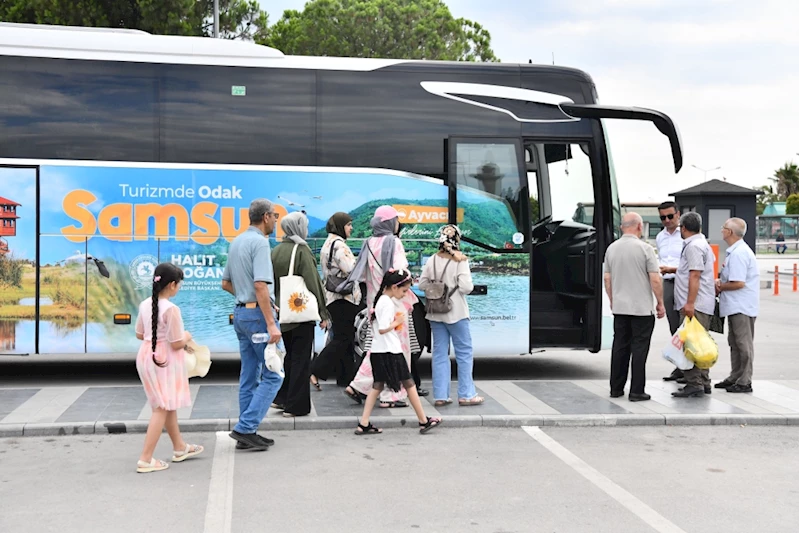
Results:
[451, 266]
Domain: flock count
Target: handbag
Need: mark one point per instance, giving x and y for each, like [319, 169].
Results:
[717, 321]
[297, 303]
[334, 283]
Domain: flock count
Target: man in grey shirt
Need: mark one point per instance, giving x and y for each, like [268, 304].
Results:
[695, 293]
[248, 276]
[632, 275]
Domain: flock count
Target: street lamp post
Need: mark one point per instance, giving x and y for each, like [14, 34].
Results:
[216, 19]
[705, 171]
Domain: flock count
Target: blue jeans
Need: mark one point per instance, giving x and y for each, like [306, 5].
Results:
[462, 341]
[258, 385]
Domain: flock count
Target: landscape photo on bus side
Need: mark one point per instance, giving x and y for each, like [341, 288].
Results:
[132, 218]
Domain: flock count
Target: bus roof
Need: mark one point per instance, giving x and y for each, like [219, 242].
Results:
[118, 44]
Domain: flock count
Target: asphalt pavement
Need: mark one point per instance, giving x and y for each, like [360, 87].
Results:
[665, 479]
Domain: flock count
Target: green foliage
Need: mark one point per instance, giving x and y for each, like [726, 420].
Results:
[786, 180]
[400, 29]
[238, 19]
[11, 271]
[535, 210]
[768, 197]
[792, 204]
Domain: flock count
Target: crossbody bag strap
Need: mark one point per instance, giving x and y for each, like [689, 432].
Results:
[330, 253]
[373, 255]
[291, 264]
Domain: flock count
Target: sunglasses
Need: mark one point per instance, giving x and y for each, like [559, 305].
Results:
[670, 217]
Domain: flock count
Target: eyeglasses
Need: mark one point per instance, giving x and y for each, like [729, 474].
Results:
[725, 227]
[664, 217]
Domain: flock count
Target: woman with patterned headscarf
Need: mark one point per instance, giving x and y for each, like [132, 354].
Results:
[381, 252]
[450, 266]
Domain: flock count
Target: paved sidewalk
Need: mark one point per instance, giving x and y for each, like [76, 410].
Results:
[123, 409]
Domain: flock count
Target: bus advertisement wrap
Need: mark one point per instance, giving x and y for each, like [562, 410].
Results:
[132, 218]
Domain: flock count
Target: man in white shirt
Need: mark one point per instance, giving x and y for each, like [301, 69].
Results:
[695, 294]
[739, 301]
[669, 244]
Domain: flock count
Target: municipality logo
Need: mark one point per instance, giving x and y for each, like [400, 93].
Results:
[142, 270]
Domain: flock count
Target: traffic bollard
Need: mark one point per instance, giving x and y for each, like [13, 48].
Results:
[794, 277]
[776, 281]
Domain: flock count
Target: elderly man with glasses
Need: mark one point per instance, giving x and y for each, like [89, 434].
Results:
[695, 294]
[739, 301]
[669, 244]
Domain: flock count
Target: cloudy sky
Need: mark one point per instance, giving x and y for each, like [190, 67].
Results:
[727, 72]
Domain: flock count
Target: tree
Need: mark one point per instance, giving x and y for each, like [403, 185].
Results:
[398, 29]
[792, 204]
[768, 197]
[786, 180]
[238, 19]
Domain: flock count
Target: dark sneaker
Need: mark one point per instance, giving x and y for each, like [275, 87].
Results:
[723, 384]
[708, 390]
[639, 397]
[249, 439]
[266, 440]
[689, 391]
[739, 388]
[616, 393]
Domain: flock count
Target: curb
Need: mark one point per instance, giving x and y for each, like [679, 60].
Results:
[456, 421]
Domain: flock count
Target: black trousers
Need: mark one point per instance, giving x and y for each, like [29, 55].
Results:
[339, 355]
[422, 328]
[295, 394]
[631, 336]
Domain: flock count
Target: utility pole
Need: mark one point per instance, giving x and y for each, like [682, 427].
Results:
[216, 19]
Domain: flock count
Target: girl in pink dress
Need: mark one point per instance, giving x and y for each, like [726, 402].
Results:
[162, 369]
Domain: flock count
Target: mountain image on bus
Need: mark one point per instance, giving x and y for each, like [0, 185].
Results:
[133, 149]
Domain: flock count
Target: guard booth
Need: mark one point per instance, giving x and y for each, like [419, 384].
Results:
[716, 201]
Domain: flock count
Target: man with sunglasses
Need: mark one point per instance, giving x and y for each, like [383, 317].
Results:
[669, 244]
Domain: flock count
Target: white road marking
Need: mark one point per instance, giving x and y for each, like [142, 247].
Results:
[633, 504]
[219, 511]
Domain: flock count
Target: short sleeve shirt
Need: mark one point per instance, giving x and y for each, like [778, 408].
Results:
[696, 255]
[249, 260]
[740, 265]
[669, 249]
[629, 261]
[389, 342]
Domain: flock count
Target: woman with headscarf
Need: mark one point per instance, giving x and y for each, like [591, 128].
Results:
[338, 262]
[380, 253]
[294, 397]
[450, 266]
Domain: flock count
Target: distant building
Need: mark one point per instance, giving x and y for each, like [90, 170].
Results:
[8, 222]
[775, 209]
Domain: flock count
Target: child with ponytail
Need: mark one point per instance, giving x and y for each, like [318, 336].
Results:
[161, 367]
[389, 366]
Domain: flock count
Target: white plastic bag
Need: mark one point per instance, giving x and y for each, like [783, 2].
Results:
[273, 358]
[674, 352]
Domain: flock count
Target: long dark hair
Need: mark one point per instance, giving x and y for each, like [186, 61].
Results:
[392, 278]
[165, 273]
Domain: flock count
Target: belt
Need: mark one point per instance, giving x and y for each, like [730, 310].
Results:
[248, 305]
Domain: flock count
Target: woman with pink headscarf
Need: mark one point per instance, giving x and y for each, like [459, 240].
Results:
[381, 252]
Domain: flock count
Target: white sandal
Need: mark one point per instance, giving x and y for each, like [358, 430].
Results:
[190, 451]
[155, 465]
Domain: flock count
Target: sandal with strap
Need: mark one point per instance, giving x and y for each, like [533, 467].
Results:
[392, 405]
[368, 429]
[477, 400]
[441, 403]
[155, 465]
[190, 451]
[430, 424]
[315, 383]
[355, 396]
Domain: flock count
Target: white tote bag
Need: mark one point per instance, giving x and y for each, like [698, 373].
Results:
[674, 351]
[297, 303]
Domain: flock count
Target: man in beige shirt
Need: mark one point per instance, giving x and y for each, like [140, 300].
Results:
[632, 275]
